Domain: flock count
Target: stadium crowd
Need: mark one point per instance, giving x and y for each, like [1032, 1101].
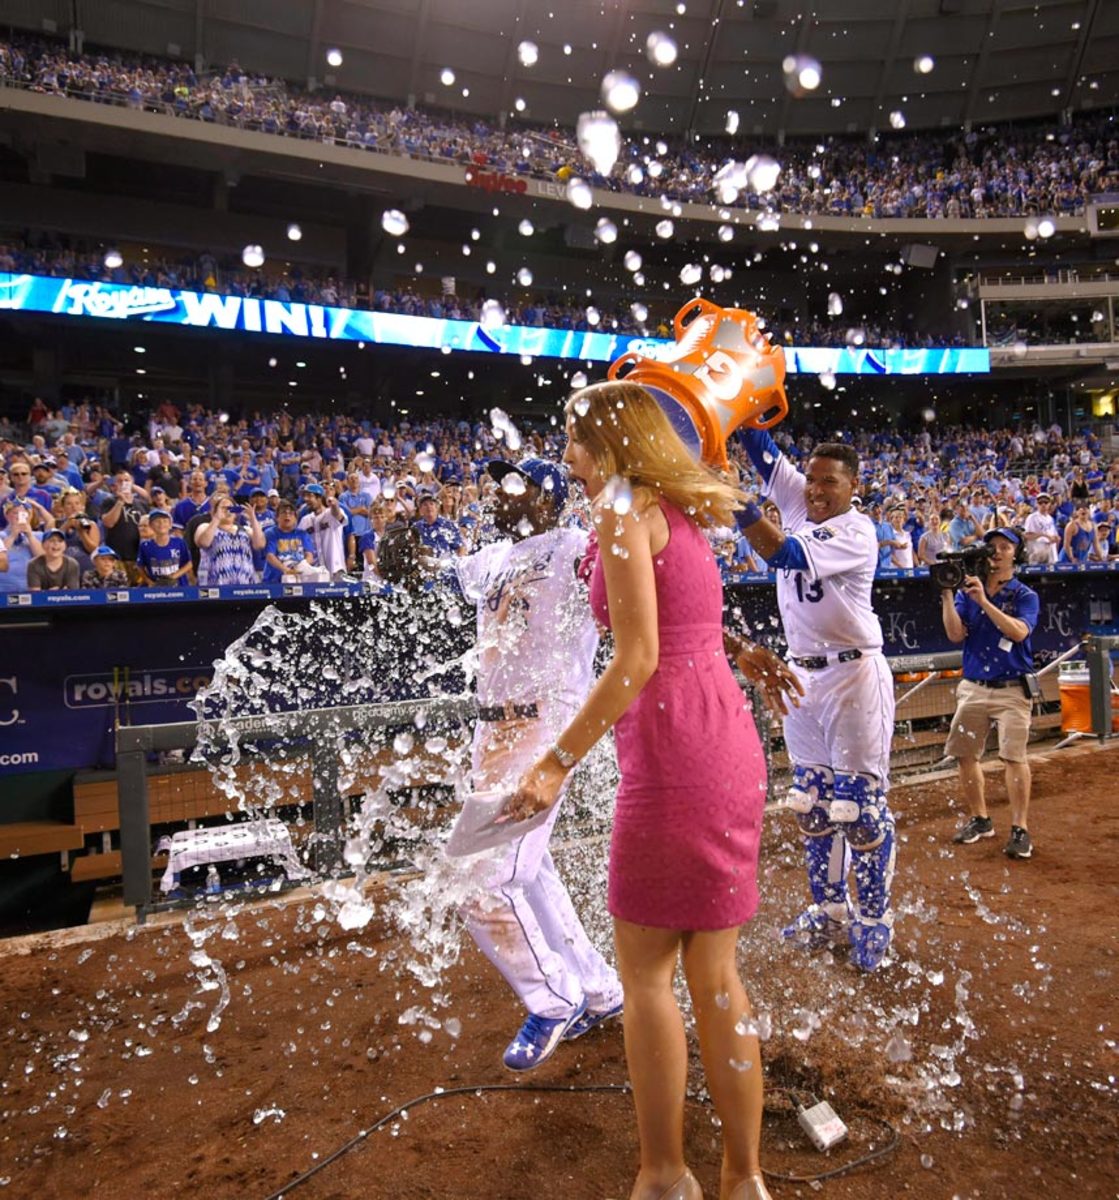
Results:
[56, 255]
[987, 172]
[198, 497]
[52, 254]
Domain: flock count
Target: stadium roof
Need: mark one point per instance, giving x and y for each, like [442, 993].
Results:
[992, 60]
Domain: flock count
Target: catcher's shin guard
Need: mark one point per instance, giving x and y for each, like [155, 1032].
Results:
[826, 858]
[865, 814]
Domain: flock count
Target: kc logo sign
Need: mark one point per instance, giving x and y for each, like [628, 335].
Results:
[901, 630]
[1057, 620]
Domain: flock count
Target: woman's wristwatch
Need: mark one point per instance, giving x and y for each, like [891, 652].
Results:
[564, 757]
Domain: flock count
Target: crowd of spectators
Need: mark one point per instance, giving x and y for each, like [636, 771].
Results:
[197, 497]
[930, 495]
[986, 172]
[52, 254]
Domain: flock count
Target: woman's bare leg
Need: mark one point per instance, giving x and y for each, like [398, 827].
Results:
[656, 1052]
[728, 1046]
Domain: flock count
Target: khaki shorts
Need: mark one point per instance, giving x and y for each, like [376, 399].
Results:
[976, 708]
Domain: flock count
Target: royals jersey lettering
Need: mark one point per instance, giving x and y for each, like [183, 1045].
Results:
[536, 635]
[162, 562]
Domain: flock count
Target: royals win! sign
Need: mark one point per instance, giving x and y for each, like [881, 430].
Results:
[245, 314]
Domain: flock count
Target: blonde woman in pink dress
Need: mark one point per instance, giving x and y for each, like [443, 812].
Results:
[688, 815]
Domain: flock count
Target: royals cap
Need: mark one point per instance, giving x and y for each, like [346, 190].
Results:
[548, 476]
[104, 552]
[1009, 534]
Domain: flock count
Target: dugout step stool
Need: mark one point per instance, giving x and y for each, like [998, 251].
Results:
[225, 843]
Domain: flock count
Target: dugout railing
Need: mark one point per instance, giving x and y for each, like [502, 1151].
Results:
[925, 687]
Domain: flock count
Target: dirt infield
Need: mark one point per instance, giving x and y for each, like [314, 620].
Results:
[988, 1042]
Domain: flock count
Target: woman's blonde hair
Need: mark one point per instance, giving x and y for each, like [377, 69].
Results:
[628, 435]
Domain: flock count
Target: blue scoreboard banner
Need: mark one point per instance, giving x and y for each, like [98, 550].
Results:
[863, 360]
[207, 310]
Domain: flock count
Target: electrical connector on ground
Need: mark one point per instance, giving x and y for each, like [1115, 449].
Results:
[822, 1124]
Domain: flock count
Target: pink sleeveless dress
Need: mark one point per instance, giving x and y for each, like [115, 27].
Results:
[688, 816]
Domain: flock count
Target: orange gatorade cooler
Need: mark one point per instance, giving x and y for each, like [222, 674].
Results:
[1076, 706]
[723, 372]
[1076, 701]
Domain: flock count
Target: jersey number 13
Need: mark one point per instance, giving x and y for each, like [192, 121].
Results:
[812, 592]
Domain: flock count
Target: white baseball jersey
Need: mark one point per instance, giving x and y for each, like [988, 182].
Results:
[536, 634]
[326, 532]
[826, 607]
[1038, 550]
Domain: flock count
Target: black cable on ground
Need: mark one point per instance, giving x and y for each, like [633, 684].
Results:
[358, 1138]
[442, 1093]
[862, 1160]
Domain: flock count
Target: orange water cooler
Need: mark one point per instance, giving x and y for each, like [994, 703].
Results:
[723, 372]
[1076, 701]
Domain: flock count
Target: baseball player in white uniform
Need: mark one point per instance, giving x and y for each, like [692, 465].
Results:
[536, 646]
[838, 738]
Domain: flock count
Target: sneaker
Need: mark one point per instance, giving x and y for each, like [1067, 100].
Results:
[1019, 845]
[538, 1038]
[590, 1020]
[815, 928]
[976, 828]
[869, 943]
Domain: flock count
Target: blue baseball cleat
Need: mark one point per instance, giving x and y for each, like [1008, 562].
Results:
[537, 1039]
[817, 927]
[869, 943]
[591, 1020]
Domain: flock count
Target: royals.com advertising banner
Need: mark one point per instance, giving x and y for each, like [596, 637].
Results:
[64, 686]
[68, 677]
[205, 310]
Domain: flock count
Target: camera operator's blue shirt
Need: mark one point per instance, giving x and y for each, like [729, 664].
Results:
[989, 653]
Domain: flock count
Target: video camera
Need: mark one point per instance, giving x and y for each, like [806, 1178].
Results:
[952, 565]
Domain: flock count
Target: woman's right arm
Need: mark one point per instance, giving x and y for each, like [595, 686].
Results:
[204, 535]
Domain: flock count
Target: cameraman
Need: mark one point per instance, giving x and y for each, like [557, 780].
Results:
[994, 618]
